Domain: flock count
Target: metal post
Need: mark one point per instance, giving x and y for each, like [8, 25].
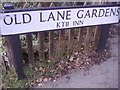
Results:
[103, 38]
[14, 44]
[104, 35]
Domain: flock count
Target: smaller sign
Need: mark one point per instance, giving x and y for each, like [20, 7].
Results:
[20, 21]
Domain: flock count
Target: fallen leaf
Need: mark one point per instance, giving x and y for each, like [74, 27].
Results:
[76, 53]
[30, 65]
[40, 79]
[87, 63]
[71, 59]
[36, 69]
[49, 61]
[41, 85]
[69, 66]
[54, 80]
[52, 70]
[40, 68]
[45, 80]
[50, 79]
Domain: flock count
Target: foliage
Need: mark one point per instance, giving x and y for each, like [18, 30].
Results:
[10, 80]
[33, 72]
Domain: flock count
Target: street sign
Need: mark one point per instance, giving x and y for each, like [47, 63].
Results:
[57, 18]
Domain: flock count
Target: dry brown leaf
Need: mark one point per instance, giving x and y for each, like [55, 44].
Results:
[45, 79]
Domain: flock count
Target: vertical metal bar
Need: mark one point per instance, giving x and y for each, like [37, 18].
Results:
[80, 38]
[103, 38]
[29, 41]
[51, 41]
[61, 42]
[41, 42]
[98, 29]
[71, 41]
[41, 46]
[30, 47]
[96, 37]
[62, 39]
[15, 48]
[88, 39]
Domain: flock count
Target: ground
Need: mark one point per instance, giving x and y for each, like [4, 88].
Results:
[104, 75]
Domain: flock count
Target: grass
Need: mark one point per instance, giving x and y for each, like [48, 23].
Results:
[32, 73]
[11, 81]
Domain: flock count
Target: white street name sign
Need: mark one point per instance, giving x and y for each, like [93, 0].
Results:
[21, 21]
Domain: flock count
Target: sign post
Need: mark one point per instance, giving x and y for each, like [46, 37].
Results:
[14, 45]
[104, 33]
